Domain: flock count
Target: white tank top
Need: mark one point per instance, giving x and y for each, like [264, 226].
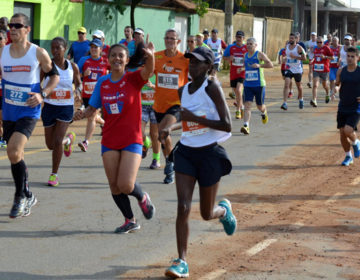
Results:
[199, 103]
[293, 65]
[343, 56]
[62, 95]
[216, 48]
[312, 45]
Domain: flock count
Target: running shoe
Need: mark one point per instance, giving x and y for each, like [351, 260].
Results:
[290, 94]
[309, 85]
[68, 147]
[356, 148]
[53, 180]
[245, 130]
[3, 144]
[30, 202]
[327, 99]
[232, 95]
[169, 167]
[144, 151]
[313, 103]
[155, 164]
[347, 161]
[264, 118]
[147, 207]
[83, 146]
[301, 104]
[169, 178]
[237, 115]
[18, 208]
[284, 106]
[229, 220]
[128, 227]
[178, 269]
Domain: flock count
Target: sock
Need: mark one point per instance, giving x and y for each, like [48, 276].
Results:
[348, 153]
[18, 171]
[86, 141]
[301, 99]
[137, 192]
[263, 113]
[123, 203]
[26, 184]
[355, 142]
[246, 124]
[147, 142]
[156, 156]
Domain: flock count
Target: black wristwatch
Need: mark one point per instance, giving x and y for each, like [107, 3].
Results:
[43, 94]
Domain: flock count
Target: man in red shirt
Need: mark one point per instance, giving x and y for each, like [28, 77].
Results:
[321, 68]
[234, 54]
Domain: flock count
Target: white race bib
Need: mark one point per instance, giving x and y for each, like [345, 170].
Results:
[238, 61]
[170, 81]
[335, 60]
[16, 95]
[252, 75]
[318, 67]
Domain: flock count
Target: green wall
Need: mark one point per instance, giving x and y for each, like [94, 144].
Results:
[154, 21]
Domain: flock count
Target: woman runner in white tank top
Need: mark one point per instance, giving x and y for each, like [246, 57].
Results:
[198, 157]
[58, 109]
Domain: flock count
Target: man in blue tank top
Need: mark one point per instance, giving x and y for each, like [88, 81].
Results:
[349, 105]
[21, 62]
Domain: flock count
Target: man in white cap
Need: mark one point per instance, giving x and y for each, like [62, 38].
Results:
[137, 59]
[98, 34]
[343, 51]
[311, 44]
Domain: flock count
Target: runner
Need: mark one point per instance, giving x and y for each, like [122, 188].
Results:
[58, 109]
[171, 69]
[3, 42]
[137, 59]
[254, 85]
[349, 108]
[4, 26]
[129, 40]
[206, 35]
[321, 68]
[198, 158]
[91, 68]
[79, 48]
[329, 37]
[21, 62]
[148, 114]
[295, 54]
[334, 65]
[118, 93]
[200, 41]
[98, 34]
[216, 45]
[343, 54]
[234, 54]
[298, 37]
[191, 44]
[282, 62]
[311, 44]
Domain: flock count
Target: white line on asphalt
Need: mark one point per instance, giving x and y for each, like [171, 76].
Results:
[333, 198]
[260, 246]
[213, 275]
[297, 225]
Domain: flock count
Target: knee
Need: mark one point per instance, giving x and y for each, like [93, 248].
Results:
[184, 208]
[14, 155]
[348, 130]
[125, 187]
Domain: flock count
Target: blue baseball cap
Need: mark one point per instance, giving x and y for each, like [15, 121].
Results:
[97, 42]
[202, 54]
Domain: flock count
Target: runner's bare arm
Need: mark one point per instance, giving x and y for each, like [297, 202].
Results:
[338, 73]
[302, 53]
[81, 114]
[47, 66]
[268, 63]
[77, 81]
[148, 70]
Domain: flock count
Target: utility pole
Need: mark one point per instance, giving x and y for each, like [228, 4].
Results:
[229, 7]
[314, 13]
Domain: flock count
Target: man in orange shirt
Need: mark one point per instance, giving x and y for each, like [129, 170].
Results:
[171, 69]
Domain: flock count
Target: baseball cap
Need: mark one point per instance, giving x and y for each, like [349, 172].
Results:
[82, 29]
[214, 31]
[96, 42]
[139, 30]
[313, 33]
[202, 54]
[348, 37]
[200, 35]
[206, 32]
[98, 34]
[240, 33]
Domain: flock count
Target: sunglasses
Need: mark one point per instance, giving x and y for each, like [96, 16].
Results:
[16, 25]
[319, 42]
[170, 38]
[82, 33]
[190, 41]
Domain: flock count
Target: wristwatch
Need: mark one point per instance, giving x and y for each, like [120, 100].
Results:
[43, 94]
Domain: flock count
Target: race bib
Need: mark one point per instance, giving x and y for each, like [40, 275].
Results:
[194, 128]
[89, 87]
[335, 60]
[291, 61]
[114, 108]
[170, 81]
[16, 95]
[147, 96]
[60, 94]
[318, 67]
[238, 61]
[93, 76]
[252, 75]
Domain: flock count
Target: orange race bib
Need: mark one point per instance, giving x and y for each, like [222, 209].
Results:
[89, 87]
[60, 94]
[194, 128]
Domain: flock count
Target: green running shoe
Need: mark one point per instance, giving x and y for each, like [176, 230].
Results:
[178, 269]
[229, 220]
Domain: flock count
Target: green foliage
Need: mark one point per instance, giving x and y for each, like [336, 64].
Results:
[119, 6]
[201, 7]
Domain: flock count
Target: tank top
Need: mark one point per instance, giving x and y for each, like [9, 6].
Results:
[343, 56]
[254, 77]
[199, 103]
[20, 76]
[293, 65]
[216, 48]
[349, 91]
[62, 95]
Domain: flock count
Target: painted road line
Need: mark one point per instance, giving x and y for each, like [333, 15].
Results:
[213, 275]
[272, 104]
[297, 225]
[333, 198]
[260, 246]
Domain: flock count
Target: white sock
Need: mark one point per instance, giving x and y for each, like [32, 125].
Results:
[356, 142]
[246, 124]
[348, 153]
[68, 141]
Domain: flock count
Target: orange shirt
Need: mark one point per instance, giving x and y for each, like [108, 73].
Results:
[171, 74]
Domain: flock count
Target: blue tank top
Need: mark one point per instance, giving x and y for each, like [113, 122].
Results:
[349, 91]
[254, 77]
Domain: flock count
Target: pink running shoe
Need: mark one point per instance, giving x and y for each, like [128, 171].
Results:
[83, 146]
[53, 180]
[68, 147]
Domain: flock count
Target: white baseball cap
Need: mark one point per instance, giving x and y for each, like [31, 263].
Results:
[98, 34]
[139, 30]
[348, 37]
[313, 33]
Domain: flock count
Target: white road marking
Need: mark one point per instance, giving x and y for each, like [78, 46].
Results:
[213, 275]
[333, 198]
[297, 225]
[260, 246]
